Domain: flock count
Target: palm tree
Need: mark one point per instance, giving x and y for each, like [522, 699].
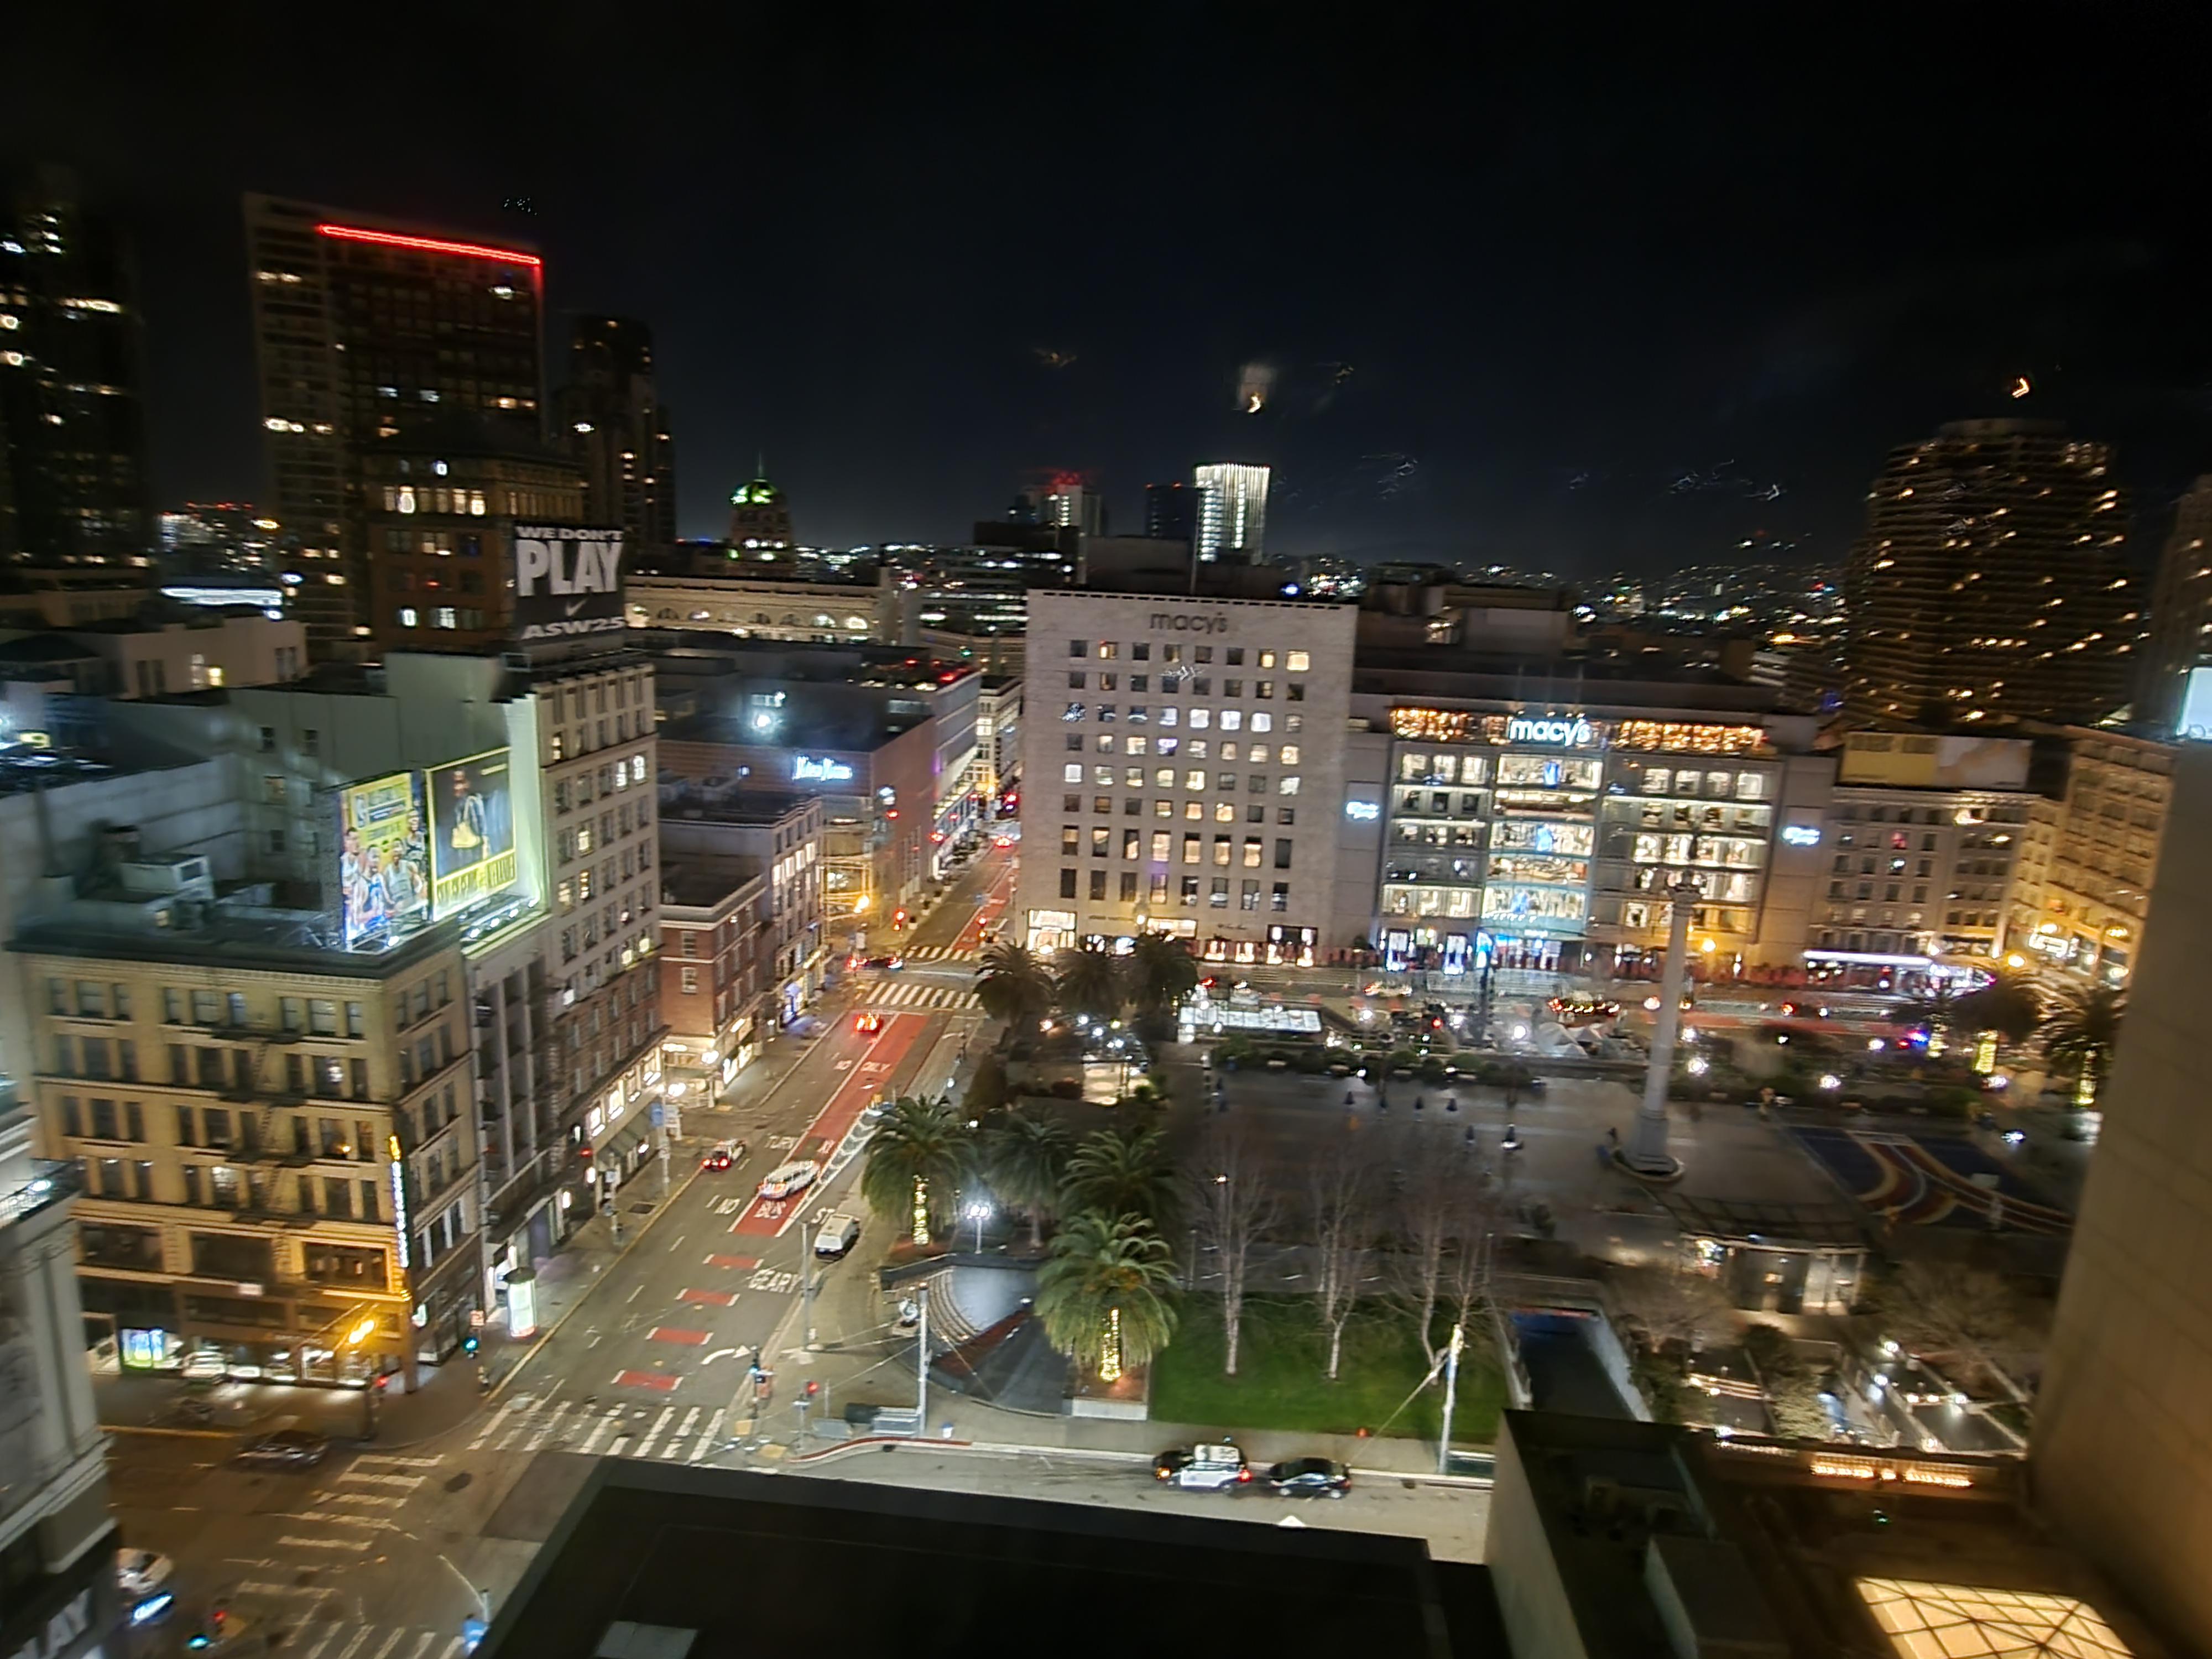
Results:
[1025, 1161]
[2004, 1005]
[1014, 988]
[2081, 1031]
[1160, 974]
[917, 1158]
[1121, 1172]
[1103, 1295]
[1090, 983]
[1936, 1008]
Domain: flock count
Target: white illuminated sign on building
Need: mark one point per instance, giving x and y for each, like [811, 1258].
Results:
[806, 769]
[398, 1195]
[1366, 811]
[1800, 834]
[1577, 734]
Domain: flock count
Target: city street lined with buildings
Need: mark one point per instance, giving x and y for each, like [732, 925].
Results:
[549, 1050]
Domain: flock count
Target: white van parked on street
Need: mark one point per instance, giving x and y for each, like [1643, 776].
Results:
[838, 1233]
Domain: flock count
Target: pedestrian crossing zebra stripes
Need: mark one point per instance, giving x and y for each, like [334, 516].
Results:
[666, 1434]
[916, 995]
[942, 953]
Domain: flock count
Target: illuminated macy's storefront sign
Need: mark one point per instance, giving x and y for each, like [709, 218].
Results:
[1575, 731]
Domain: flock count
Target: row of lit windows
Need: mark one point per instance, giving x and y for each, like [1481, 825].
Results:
[1222, 811]
[1104, 744]
[1162, 847]
[1216, 894]
[1132, 777]
[1201, 720]
[444, 616]
[1295, 662]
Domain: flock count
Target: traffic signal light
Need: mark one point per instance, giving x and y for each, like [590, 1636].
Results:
[813, 1389]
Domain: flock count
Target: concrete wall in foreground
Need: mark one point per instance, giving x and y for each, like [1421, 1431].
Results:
[2122, 1443]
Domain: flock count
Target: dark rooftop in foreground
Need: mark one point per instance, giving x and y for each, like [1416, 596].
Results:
[684, 1562]
[1618, 1540]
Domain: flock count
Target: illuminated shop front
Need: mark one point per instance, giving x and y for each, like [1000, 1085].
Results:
[1547, 841]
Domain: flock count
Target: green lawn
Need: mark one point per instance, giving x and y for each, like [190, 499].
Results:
[1281, 1381]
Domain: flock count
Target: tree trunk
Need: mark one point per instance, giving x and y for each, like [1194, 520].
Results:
[1036, 1227]
[1335, 1347]
[1232, 1326]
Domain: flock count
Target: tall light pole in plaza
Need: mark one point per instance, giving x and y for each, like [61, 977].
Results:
[1647, 1152]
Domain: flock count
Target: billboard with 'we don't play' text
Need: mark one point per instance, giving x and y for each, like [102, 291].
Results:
[568, 582]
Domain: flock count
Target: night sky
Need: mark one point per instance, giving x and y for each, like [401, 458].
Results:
[1582, 303]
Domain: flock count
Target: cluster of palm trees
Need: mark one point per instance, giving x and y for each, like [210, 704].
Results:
[1104, 1290]
[1019, 988]
[2078, 1030]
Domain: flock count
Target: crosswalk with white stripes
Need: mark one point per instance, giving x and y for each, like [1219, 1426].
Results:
[296, 1598]
[943, 953]
[665, 1433]
[917, 994]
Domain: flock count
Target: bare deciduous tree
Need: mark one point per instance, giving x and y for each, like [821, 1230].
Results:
[1429, 1215]
[1234, 1199]
[1667, 1305]
[1972, 1320]
[1341, 1191]
[1470, 1271]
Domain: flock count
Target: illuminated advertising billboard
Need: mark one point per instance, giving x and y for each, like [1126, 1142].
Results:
[472, 853]
[384, 868]
[566, 581]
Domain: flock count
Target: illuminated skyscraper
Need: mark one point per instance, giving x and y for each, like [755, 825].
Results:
[1989, 582]
[1067, 502]
[73, 487]
[760, 515]
[1171, 512]
[613, 422]
[2180, 611]
[358, 320]
[1232, 511]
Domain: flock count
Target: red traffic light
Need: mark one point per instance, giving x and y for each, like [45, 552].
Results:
[813, 1388]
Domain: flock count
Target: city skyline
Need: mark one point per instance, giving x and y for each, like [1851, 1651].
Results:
[1581, 320]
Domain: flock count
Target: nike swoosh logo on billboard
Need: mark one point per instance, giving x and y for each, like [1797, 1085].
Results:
[576, 606]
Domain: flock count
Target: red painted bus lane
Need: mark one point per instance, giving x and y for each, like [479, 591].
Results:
[871, 1073]
[660, 1382]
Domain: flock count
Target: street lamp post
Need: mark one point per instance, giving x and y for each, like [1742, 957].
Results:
[978, 1212]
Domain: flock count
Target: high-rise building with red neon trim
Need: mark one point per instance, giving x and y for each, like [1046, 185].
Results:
[363, 324]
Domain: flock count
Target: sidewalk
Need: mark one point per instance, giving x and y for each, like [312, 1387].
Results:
[446, 1395]
[862, 1362]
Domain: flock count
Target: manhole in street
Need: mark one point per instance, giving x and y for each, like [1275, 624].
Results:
[640, 1209]
[458, 1481]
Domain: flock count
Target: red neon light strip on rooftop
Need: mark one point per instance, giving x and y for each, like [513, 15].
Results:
[427, 245]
